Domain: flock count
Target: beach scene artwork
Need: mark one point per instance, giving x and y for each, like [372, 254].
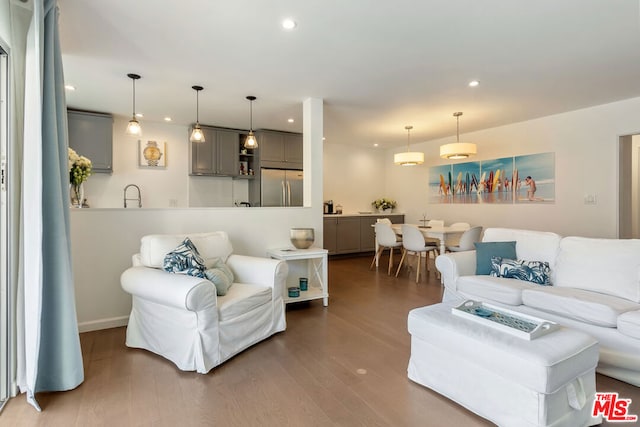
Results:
[536, 178]
[520, 179]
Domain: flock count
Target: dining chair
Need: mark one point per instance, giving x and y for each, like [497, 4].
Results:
[467, 240]
[413, 241]
[432, 241]
[454, 240]
[386, 238]
[384, 220]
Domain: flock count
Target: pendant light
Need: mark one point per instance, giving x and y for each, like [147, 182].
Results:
[410, 158]
[133, 128]
[458, 150]
[197, 135]
[251, 141]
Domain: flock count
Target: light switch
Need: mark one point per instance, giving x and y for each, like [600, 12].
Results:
[590, 199]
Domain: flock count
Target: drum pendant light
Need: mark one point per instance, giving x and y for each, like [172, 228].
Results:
[251, 141]
[133, 128]
[410, 158]
[458, 150]
[197, 135]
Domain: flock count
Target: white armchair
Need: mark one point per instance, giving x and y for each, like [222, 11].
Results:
[181, 318]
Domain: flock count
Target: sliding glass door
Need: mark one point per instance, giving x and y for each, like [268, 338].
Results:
[4, 223]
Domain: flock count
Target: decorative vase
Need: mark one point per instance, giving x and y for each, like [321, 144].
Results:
[302, 238]
[77, 194]
[385, 211]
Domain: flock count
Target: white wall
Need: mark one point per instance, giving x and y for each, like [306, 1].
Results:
[354, 176]
[635, 186]
[160, 188]
[585, 143]
[103, 241]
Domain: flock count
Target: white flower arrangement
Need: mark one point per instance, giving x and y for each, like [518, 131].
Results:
[383, 203]
[79, 168]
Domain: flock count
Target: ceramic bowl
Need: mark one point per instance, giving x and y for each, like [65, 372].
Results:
[302, 238]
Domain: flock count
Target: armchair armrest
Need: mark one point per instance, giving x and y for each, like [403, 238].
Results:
[259, 271]
[456, 264]
[175, 290]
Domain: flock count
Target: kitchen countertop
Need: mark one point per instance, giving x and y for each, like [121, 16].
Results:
[363, 214]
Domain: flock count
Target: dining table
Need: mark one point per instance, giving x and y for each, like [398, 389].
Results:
[434, 232]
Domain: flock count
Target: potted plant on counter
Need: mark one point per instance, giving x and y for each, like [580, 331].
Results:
[384, 205]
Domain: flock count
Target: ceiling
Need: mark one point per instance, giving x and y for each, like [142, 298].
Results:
[378, 65]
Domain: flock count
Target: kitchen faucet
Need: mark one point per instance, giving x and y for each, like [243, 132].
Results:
[139, 199]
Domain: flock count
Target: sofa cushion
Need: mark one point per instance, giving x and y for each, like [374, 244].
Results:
[530, 271]
[220, 275]
[584, 306]
[530, 245]
[241, 299]
[629, 324]
[184, 259]
[154, 247]
[486, 250]
[497, 289]
[607, 266]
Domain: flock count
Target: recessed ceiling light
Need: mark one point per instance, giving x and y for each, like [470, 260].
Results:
[323, 138]
[290, 120]
[167, 119]
[70, 87]
[474, 83]
[375, 145]
[289, 24]
[139, 115]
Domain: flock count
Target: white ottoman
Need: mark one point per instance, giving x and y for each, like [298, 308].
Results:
[548, 381]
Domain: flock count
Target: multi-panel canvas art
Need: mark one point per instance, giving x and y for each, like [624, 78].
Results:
[520, 179]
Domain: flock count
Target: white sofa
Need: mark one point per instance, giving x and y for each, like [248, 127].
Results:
[595, 288]
[181, 318]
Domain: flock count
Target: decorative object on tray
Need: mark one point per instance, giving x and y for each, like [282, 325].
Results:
[79, 172]
[384, 204]
[302, 238]
[511, 322]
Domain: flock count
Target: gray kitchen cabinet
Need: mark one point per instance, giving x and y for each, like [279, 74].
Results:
[281, 150]
[218, 155]
[329, 234]
[352, 233]
[91, 136]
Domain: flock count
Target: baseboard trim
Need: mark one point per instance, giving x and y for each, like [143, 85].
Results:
[96, 325]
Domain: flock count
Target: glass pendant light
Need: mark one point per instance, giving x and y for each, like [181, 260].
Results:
[197, 135]
[133, 128]
[410, 158]
[458, 150]
[251, 141]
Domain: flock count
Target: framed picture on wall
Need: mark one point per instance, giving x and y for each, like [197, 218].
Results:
[152, 155]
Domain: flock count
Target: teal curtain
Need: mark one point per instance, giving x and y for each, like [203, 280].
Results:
[60, 358]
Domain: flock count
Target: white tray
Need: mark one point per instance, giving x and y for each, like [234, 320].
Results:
[505, 320]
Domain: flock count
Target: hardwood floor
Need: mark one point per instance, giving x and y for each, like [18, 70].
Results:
[344, 365]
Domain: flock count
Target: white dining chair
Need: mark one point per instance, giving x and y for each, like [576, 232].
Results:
[384, 220]
[460, 225]
[432, 241]
[386, 238]
[413, 241]
[454, 240]
[467, 240]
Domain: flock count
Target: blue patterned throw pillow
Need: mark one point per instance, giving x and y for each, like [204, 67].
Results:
[531, 271]
[184, 259]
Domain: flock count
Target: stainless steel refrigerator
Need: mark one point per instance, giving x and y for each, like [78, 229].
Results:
[281, 187]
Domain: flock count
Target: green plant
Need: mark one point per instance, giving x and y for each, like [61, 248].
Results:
[383, 203]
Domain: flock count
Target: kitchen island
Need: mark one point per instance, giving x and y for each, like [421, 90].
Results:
[353, 233]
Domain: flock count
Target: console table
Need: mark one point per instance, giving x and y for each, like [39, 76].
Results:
[311, 263]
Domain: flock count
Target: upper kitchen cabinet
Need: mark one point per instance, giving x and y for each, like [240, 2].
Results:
[218, 155]
[91, 136]
[281, 150]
